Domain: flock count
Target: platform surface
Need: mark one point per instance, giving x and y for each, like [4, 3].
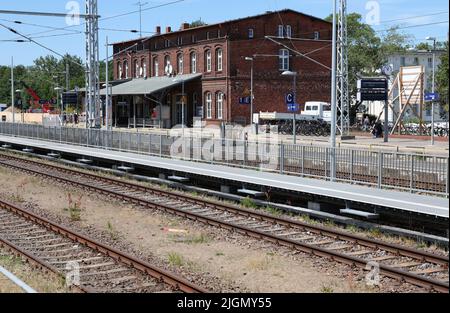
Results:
[429, 205]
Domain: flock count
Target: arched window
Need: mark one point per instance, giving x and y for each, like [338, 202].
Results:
[193, 63]
[219, 60]
[180, 63]
[167, 65]
[219, 102]
[144, 68]
[125, 68]
[208, 61]
[155, 67]
[208, 105]
[136, 69]
[119, 70]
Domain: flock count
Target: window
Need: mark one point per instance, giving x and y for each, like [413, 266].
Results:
[402, 61]
[288, 31]
[155, 67]
[219, 102]
[430, 62]
[208, 105]
[251, 33]
[316, 35]
[144, 68]
[207, 35]
[416, 61]
[125, 68]
[180, 63]
[280, 31]
[219, 59]
[166, 43]
[208, 63]
[180, 41]
[194, 39]
[193, 63]
[119, 70]
[136, 69]
[284, 60]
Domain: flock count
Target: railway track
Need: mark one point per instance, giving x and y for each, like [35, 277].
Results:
[405, 264]
[90, 265]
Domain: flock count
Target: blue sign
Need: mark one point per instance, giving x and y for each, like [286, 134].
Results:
[431, 96]
[290, 98]
[245, 100]
[293, 107]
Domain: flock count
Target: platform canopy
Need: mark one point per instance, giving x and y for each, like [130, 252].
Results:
[141, 86]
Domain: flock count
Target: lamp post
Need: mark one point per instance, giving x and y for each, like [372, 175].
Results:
[58, 90]
[251, 88]
[333, 98]
[294, 126]
[19, 91]
[12, 90]
[433, 87]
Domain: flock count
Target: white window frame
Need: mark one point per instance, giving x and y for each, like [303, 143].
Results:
[283, 60]
[193, 58]
[288, 31]
[316, 35]
[219, 53]
[144, 67]
[155, 67]
[208, 57]
[251, 33]
[119, 70]
[208, 104]
[280, 31]
[136, 68]
[180, 63]
[219, 101]
[126, 68]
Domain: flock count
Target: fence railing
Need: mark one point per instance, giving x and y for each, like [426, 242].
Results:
[410, 172]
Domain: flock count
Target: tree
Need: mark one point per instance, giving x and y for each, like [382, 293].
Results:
[442, 80]
[423, 46]
[197, 23]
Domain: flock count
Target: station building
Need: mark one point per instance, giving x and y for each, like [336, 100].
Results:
[204, 71]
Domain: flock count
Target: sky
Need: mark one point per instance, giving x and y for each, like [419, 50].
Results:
[381, 14]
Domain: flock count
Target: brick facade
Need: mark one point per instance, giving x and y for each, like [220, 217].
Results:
[230, 79]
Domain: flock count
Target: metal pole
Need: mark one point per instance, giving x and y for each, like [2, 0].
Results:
[333, 99]
[294, 126]
[12, 90]
[107, 86]
[251, 94]
[433, 90]
[182, 107]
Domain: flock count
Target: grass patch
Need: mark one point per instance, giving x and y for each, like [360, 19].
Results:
[273, 211]
[113, 233]
[220, 254]
[248, 203]
[74, 207]
[326, 289]
[352, 228]
[260, 264]
[176, 259]
[198, 239]
[375, 232]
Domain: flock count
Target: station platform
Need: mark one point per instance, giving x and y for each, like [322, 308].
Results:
[420, 204]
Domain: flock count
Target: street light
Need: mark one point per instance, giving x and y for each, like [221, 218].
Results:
[58, 89]
[251, 88]
[433, 87]
[294, 75]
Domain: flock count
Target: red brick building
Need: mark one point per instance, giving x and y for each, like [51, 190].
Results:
[209, 63]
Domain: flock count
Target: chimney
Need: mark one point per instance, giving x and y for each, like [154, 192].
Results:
[184, 26]
[168, 29]
[158, 30]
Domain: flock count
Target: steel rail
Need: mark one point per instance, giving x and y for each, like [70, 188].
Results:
[162, 275]
[308, 248]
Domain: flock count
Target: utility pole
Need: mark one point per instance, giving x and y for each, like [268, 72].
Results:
[140, 4]
[92, 66]
[333, 100]
[12, 90]
[343, 99]
[107, 85]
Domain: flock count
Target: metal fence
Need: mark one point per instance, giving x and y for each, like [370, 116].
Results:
[403, 171]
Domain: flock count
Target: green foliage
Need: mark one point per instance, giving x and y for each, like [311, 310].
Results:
[248, 203]
[197, 23]
[176, 259]
[442, 79]
[46, 73]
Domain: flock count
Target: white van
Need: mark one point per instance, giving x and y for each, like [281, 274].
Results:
[3, 107]
[319, 109]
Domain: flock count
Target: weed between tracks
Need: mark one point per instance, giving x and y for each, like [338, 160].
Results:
[74, 207]
[113, 233]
